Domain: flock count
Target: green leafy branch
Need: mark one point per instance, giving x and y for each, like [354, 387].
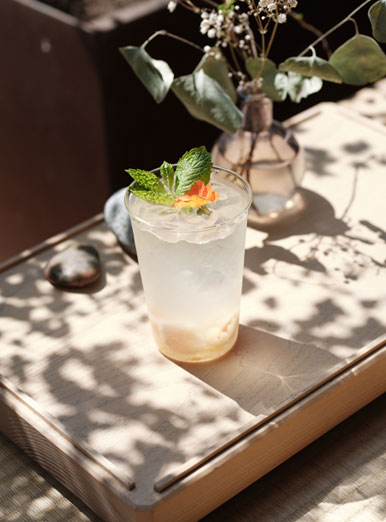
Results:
[209, 94]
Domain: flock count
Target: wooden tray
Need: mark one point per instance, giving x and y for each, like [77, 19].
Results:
[84, 391]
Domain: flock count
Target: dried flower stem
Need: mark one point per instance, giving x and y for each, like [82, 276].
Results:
[308, 27]
[262, 30]
[252, 43]
[162, 32]
[209, 2]
[188, 5]
[271, 39]
[234, 58]
[324, 35]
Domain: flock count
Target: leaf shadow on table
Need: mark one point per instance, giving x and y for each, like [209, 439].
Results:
[265, 373]
[319, 249]
[90, 382]
[317, 221]
[93, 375]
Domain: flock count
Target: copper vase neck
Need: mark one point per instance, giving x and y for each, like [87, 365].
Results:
[258, 113]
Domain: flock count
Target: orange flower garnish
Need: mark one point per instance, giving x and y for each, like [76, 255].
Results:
[197, 196]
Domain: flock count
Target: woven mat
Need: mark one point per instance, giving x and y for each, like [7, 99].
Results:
[29, 494]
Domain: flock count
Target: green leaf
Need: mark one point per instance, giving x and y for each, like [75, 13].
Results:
[377, 15]
[167, 173]
[156, 75]
[311, 66]
[147, 180]
[227, 7]
[151, 196]
[275, 84]
[206, 100]
[193, 165]
[214, 65]
[300, 87]
[360, 60]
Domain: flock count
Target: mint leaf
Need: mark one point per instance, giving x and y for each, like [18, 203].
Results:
[167, 173]
[194, 165]
[147, 180]
[152, 196]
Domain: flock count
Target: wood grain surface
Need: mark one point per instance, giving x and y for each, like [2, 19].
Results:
[310, 351]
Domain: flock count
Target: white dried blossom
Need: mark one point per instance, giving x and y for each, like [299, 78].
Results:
[204, 26]
[239, 29]
[204, 15]
[212, 33]
[171, 6]
[207, 48]
[275, 9]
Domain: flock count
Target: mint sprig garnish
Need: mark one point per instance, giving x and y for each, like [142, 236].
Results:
[194, 165]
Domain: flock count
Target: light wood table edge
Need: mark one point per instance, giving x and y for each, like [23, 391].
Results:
[277, 439]
[350, 365]
[261, 451]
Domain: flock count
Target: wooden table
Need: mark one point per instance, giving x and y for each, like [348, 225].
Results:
[311, 349]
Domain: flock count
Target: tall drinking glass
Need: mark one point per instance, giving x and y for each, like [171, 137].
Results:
[191, 269]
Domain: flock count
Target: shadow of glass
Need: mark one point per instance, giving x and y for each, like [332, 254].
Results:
[264, 373]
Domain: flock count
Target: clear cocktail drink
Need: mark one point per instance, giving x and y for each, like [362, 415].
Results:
[191, 269]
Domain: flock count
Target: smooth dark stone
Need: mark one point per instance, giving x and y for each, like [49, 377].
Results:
[75, 267]
[118, 220]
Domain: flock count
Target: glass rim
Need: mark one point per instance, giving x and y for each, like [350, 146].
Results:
[204, 229]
